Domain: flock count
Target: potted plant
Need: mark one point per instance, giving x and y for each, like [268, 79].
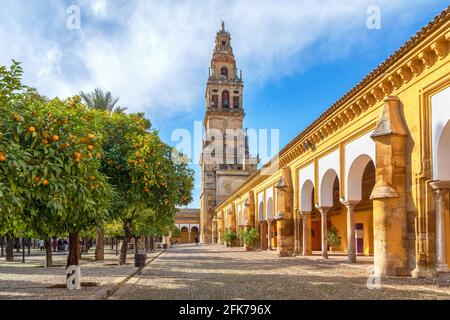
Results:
[250, 238]
[333, 239]
[229, 237]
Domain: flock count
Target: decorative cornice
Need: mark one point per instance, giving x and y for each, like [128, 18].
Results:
[377, 85]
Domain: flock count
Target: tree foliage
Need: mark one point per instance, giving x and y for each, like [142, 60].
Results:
[70, 166]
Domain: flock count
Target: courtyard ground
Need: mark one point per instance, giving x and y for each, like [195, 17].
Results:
[31, 281]
[217, 272]
[213, 272]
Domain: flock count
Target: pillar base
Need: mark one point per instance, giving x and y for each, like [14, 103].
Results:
[423, 272]
[442, 268]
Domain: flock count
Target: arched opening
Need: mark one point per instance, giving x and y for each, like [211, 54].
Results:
[306, 196]
[225, 99]
[443, 153]
[269, 208]
[443, 174]
[329, 202]
[262, 227]
[261, 211]
[360, 183]
[194, 234]
[224, 73]
[271, 225]
[184, 235]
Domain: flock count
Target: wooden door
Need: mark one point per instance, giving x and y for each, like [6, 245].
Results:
[316, 236]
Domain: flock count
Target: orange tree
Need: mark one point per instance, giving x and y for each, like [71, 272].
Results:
[12, 157]
[53, 151]
[142, 172]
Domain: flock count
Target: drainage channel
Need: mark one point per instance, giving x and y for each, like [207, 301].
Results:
[110, 292]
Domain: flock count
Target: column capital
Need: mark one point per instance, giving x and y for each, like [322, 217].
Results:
[305, 213]
[440, 186]
[323, 209]
[349, 203]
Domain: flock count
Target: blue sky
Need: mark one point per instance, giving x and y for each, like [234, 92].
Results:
[298, 57]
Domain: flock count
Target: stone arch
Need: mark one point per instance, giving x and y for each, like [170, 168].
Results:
[184, 235]
[261, 211]
[224, 72]
[327, 188]
[355, 177]
[443, 153]
[225, 99]
[306, 196]
[270, 208]
[440, 118]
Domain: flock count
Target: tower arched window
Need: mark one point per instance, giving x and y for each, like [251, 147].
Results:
[225, 99]
[224, 73]
[236, 102]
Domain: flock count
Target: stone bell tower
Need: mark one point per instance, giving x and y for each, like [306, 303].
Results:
[225, 160]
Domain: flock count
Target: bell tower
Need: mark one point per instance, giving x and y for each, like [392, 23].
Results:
[225, 160]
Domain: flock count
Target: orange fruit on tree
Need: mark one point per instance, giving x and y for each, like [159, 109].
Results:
[2, 157]
[31, 129]
[90, 147]
[45, 182]
[55, 138]
[91, 136]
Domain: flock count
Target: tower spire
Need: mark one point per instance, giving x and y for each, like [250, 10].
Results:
[223, 25]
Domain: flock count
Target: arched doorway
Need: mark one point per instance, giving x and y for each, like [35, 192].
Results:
[184, 235]
[194, 234]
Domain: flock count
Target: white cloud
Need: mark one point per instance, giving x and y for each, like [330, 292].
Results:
[155, 54]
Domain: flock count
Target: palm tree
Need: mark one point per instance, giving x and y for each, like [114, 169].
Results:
[100, 100]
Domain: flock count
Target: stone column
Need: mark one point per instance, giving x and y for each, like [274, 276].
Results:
[269, 234]
[261, 235]
[214, 231]
[306, 219]
[297, 233]
[389, 193]
[324, 228]
[441, 189]
[351, 241]
[285, 214]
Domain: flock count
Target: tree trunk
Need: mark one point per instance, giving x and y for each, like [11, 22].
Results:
[17, 244]
[146, 244]
[29, 246]
[152, 243]
[136, 244]
[48, 253]
[126, 240]
[2, 245]
[9, 249]
[112, 243]
[117, 245]
[74, 250]
[100, 246]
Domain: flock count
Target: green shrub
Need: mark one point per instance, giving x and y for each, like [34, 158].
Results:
[250, 237]
[333, 239]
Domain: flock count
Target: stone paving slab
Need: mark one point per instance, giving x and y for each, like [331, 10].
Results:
[216, 272]
[31, 281]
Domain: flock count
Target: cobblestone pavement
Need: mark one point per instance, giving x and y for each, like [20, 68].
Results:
[32, 281]
[216, 272]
